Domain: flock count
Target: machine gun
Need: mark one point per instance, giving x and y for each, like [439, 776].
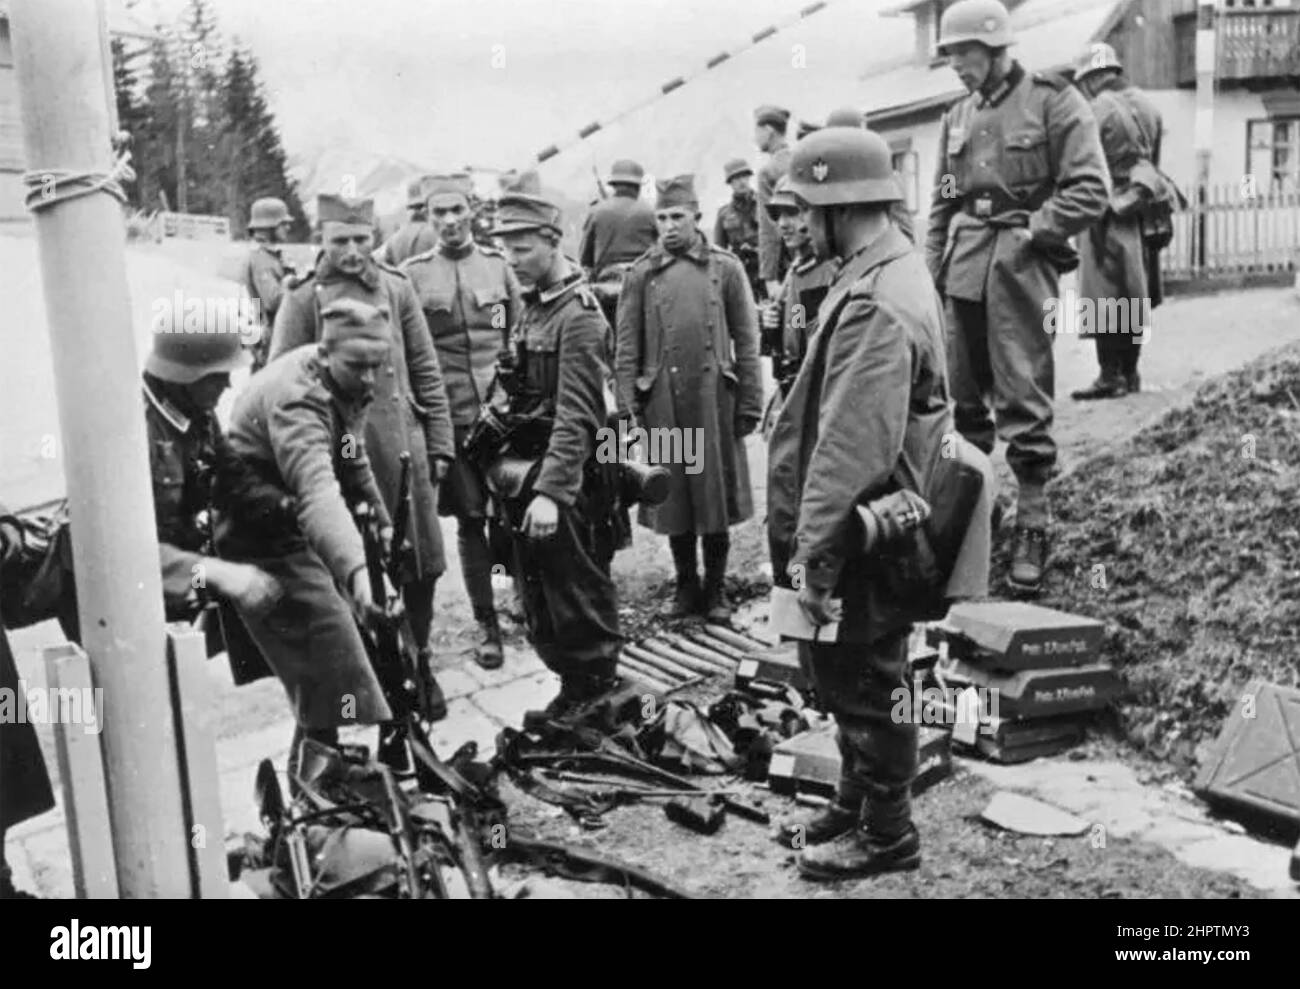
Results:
[407, 682]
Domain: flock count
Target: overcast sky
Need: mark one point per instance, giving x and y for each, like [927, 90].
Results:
[491, 82]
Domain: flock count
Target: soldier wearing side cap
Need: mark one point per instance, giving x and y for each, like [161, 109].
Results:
[410, 413]
[770, 124]
[736, 228]
[867, 418]
[1020, 171]
[415, 236]
[616, 232]
[562, 536]
[300, 426]
[687, 361]
[265, 268]
[471, 301]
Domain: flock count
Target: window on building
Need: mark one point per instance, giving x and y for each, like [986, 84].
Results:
[1273, 153]
[907, 168]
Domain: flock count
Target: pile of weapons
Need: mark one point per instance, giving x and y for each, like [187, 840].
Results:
[1033, 676]
[353, 830]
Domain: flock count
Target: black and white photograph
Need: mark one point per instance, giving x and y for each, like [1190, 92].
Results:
[652, 449]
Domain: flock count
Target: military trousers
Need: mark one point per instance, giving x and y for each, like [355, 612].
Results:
[856, 684]
[570, 603]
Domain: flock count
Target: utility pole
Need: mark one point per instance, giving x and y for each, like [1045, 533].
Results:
[59, 60]
[1206, 65]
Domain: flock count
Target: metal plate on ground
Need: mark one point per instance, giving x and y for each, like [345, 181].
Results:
[1255, 762]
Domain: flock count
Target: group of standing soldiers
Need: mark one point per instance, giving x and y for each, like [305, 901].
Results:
[882, 355]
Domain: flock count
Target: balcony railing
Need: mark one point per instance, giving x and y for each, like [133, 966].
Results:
[1252, 44]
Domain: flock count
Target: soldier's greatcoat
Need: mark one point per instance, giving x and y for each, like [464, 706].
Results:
[617, 231]
[296, 432]
[687, 359]
[410, 412]
[1113, 261]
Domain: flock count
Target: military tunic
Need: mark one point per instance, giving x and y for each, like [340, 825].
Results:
[1020, 171]
[471, 300]
[1114, 263]
[410, 413]
[617, 231]
[736, 229]
[182, 452]
[687, 360]
[411, 239]
[264, 273]
[802, 293]
[297, 433]
[772, 258]
[570, 603]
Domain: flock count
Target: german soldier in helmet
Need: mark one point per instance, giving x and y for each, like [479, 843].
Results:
[410, 413]
[617, 231]
[470, 299]
[736, 227]
[415, 236]
[1020, 171]
[185, 376]
[687, 364]
[866, 418]
[561, 539]
[770, 125]
[265, 268]
[1115, 261]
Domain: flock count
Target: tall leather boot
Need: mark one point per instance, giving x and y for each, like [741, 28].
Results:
[1129, 367]
[715, 606]
[1110, 382]
[686, 596]
[1029, 550]
[476, 567]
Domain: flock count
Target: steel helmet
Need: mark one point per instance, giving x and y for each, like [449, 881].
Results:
[184, 358]
[842, 165]
[1096, 57]
[782, 197]
[267, 213]
[985, 21]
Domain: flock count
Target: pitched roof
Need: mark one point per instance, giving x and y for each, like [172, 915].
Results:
[1049, 34]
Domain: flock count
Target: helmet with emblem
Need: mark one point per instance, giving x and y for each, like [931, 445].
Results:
[267, 213]
[984, 21]
[843, 165]
[183, 358]
[1098, 57]
[782, 198]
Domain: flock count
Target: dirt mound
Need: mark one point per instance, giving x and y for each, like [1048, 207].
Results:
[1185, 540]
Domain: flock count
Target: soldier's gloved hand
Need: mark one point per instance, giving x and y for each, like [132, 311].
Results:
[542, 517]
[746, 425]
[818, 606]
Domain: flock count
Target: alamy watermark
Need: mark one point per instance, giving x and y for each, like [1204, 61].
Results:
[53, 706]
[658, 445]
[182, 313]
[1073, 313]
